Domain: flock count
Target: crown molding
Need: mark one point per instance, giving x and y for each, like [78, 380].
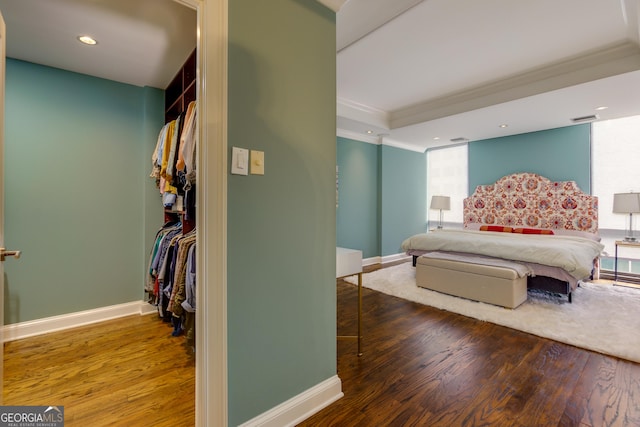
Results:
[362, 113]
[598, 64]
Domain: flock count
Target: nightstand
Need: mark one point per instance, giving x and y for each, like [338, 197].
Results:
[625, 243]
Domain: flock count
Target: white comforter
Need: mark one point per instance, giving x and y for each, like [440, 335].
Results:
[573, 254]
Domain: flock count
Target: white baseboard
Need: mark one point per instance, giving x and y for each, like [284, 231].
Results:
[371, 261]
[32, 328]
[395, 257]
[300, 407]
[385, 259]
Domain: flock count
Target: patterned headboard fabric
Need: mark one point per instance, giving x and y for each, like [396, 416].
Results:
[531, 200]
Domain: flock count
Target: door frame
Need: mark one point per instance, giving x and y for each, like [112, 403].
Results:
[3, 38]
[211, 211]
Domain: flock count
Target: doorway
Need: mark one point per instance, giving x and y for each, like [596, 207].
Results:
[217, 10]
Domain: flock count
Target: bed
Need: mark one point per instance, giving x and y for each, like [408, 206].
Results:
[548, 228]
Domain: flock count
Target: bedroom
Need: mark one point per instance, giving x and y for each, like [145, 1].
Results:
[509, 116]
[365, 172]
[382, 190]
[365, 187]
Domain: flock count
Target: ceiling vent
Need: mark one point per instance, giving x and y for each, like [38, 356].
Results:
[582, 119]
[460, 139]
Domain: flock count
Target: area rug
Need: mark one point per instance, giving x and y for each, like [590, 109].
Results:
[602, 318]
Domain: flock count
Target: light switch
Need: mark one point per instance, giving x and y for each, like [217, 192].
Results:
[257, 162]
[239, 161]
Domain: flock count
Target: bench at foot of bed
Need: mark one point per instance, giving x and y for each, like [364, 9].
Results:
[498, 285]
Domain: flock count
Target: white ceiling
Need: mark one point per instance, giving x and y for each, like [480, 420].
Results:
[140, 42]
[461, 68]
[409, 70]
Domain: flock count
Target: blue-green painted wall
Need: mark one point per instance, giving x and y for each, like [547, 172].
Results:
[78, 201]
[381, 196]
[403, 197]
[358, 213]
[558, 154]
[281, 226]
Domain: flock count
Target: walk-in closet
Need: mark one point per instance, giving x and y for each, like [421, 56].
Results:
[81, 123]
[171, 280]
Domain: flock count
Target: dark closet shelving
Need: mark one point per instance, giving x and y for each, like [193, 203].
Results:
[177, 96]
[182, 89]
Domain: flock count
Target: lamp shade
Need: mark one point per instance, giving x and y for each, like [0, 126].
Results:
[626, 203]
[441, 202]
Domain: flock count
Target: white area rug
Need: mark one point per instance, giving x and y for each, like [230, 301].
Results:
[602, 318]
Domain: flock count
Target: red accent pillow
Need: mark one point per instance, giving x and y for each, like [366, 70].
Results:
[532, 231]
[499, 228]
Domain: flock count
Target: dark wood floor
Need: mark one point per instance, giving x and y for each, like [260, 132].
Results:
[124, 372]
[426, 367]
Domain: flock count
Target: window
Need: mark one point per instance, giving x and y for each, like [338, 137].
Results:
[447, 175]
[615, 150]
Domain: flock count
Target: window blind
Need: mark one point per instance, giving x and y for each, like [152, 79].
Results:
[447, 175]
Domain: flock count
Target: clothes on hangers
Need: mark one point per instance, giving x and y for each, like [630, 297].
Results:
[171, 279]
[189, 303]
[170, 164]
[158, 253]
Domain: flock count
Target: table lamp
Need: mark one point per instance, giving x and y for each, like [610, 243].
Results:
[627, 203]
[441, 203]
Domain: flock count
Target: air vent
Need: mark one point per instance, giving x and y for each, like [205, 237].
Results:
[590, 118]
[460, 139]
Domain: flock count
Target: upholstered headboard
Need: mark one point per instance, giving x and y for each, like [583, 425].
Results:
[531, 200]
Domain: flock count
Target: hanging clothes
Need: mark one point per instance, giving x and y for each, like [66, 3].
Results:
[186, 164]
[158, 253]
[171, 279]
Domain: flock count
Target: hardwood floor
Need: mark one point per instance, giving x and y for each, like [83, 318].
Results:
[421, 367]
[124, 372]
[426, 367]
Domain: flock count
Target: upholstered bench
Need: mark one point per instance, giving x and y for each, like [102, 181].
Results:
[497, 282]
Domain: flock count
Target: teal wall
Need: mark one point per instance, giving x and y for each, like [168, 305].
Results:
[559, 154]
[77, 157]
[403, 197]
[358, 213]
[382, 196]
[281, 226]
[382, 189]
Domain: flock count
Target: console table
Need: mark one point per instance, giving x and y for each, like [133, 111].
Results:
[349, 263]
[633, 244]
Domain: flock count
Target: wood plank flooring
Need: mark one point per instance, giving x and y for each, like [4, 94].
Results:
[421, 367]
[426, 367]
[124, 372]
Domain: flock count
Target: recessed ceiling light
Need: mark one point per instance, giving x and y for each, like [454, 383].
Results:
[601, 108]
[369, 132]
[87, 40]
[435, 138]
[504, 125]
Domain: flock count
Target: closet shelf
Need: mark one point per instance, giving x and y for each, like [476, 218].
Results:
[182, 89]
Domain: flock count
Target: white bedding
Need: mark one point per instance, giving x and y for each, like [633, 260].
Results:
[573, 254]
